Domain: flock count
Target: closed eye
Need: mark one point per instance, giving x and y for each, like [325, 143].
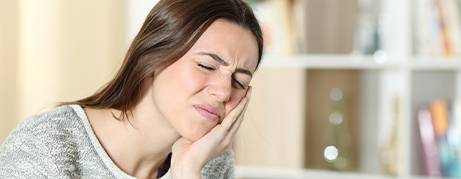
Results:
[238, 83]
[206, 67]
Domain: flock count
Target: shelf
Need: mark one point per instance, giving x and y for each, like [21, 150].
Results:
[359, 62]
[436, 63]
[325, 62]
[245, 172]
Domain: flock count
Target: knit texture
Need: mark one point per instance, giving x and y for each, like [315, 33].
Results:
[61, 144]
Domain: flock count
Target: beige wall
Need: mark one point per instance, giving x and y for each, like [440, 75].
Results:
[56, 51]
[8, 60]
[272, 134]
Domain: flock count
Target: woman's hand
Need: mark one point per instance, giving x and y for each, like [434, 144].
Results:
[190, 157]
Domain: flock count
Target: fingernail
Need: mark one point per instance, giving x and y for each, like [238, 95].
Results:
[249, 92]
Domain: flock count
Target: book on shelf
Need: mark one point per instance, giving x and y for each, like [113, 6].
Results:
[428, 145]
[454, 143]
[440, 139]
[428, 40]
[438, 27]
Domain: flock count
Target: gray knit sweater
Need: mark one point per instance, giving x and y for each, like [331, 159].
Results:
[61, 144]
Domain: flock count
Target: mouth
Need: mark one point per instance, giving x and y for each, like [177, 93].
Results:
[209, 112]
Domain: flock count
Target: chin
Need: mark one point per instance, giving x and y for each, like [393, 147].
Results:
[195, 135]
[195, 128]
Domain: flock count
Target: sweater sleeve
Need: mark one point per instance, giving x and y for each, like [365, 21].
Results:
[23, 155]
[221, 167]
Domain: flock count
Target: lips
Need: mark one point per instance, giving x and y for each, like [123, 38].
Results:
[209, 112]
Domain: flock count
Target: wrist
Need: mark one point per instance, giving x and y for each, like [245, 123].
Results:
[183, 172]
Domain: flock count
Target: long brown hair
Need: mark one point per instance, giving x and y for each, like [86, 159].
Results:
[169, 31]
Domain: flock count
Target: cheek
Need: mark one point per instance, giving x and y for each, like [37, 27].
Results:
[175, 85]
[194, 79]
[188, 78]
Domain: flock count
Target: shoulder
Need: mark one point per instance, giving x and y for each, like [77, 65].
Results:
[61, 115]
[220, 167]
[36, 145]
[54, 127]
[55, 119]
[55, 123]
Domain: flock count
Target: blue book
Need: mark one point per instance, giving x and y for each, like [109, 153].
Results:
[454, 143]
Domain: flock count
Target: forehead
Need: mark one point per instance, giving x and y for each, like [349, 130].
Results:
[236, 45]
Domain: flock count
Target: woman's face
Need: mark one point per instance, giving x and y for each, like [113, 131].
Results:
[197, 91]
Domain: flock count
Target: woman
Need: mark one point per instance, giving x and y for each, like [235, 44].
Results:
[172, 110]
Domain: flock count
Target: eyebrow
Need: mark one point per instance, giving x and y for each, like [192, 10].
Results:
[224, 63]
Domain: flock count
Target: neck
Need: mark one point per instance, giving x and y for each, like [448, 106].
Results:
[139, 147]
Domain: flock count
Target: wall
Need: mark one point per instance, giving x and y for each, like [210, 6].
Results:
[53, 51]
[272, 134]
[8, 60]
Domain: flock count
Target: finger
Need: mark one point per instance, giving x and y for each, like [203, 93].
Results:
[233, 115]
[240, 116]
[236, 125]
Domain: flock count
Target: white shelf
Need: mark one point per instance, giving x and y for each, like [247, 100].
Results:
[436, 63]
[316, 61]
[246, 172]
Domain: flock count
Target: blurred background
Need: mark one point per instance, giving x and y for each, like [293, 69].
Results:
[53, 51]
[364, 87]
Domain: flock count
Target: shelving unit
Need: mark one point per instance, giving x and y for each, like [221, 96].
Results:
[415, 80]
[390, 78]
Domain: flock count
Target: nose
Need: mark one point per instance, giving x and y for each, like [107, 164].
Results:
[221, 88]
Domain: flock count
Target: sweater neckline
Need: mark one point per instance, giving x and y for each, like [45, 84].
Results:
[163, 173]
[114, 169]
